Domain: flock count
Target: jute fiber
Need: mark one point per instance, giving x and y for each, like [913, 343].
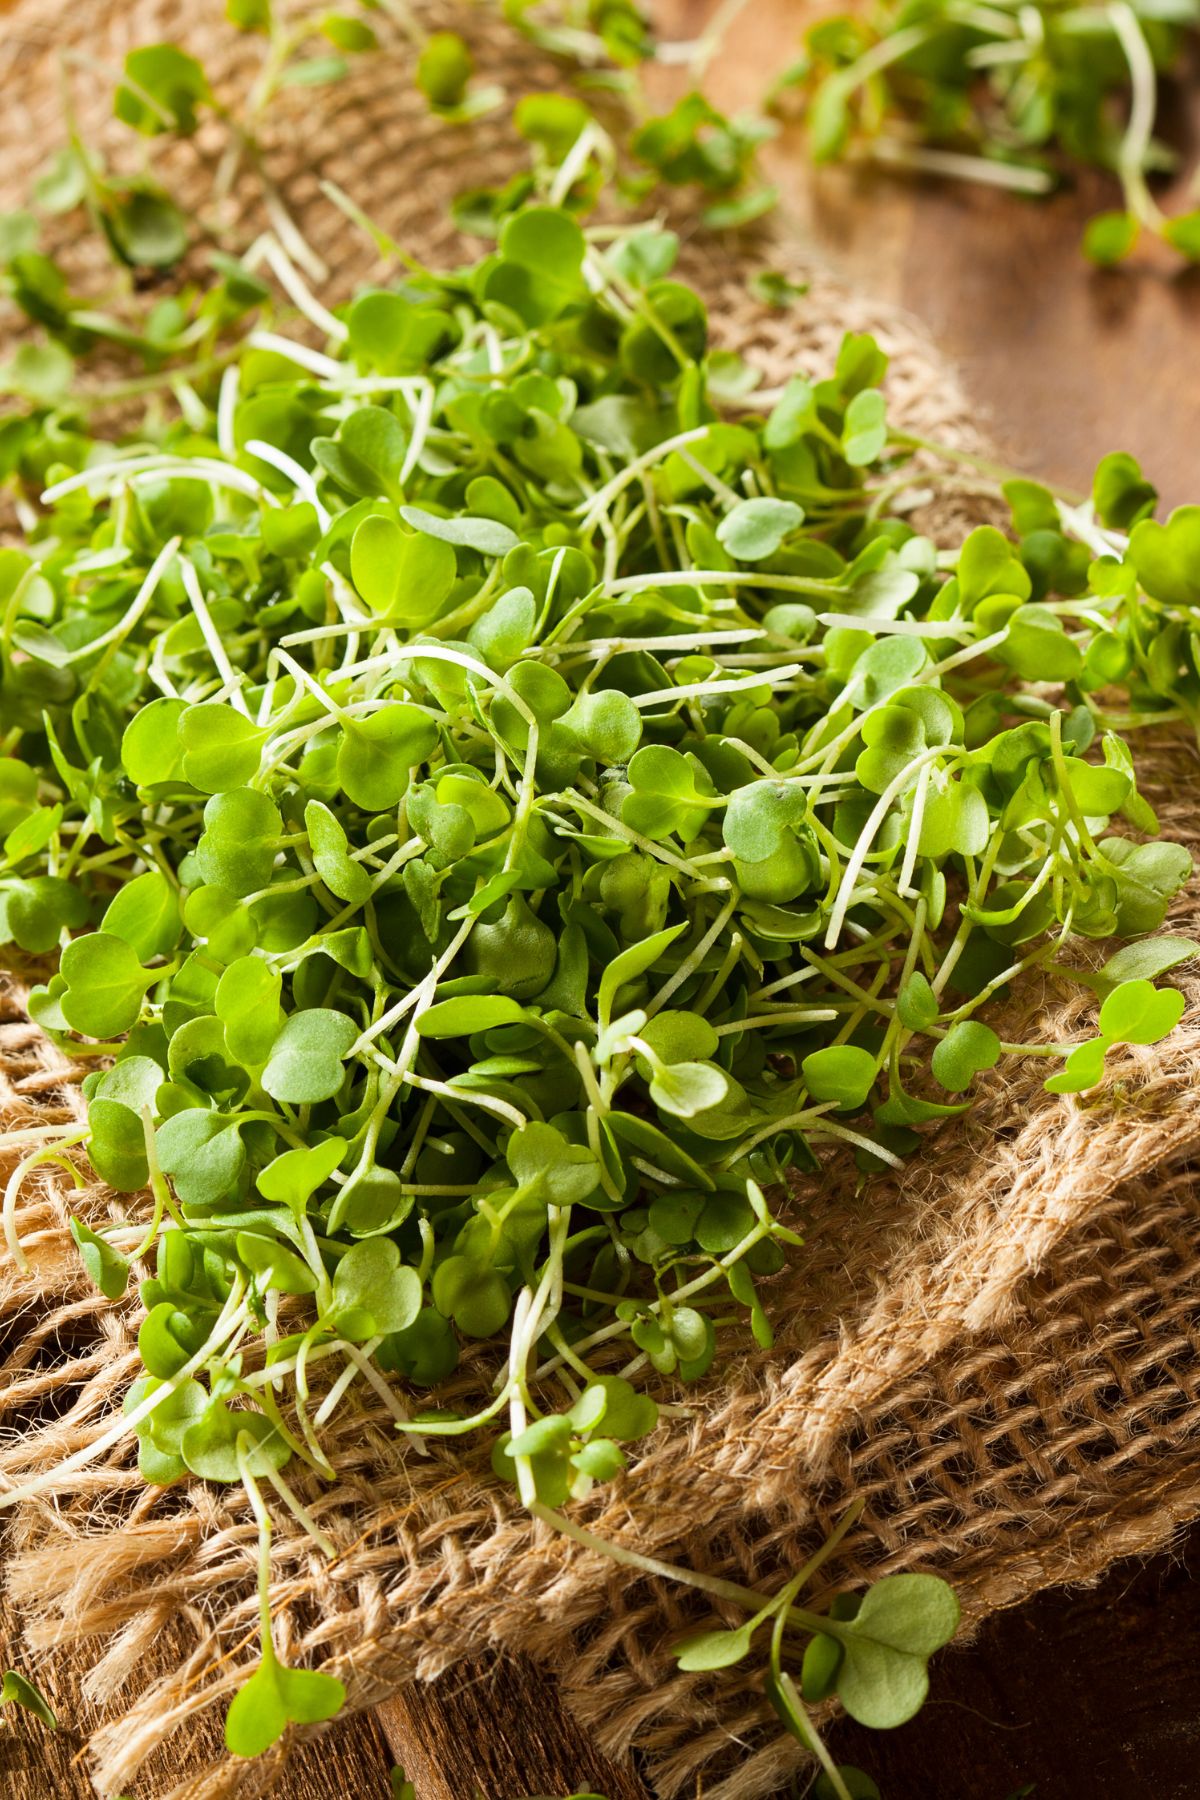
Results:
[996, 1348]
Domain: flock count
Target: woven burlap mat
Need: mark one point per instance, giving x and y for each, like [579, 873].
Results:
[997, 1348]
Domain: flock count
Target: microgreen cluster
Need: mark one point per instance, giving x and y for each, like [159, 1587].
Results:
[164, 92]
[1010, 95]
[693, 146]
[503, 792]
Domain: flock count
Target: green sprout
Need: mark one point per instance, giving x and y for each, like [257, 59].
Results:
[1009, 96]
[17, 1690]
[500, 793]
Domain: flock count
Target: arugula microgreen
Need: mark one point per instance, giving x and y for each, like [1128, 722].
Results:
[503, 793]
[1008, 97]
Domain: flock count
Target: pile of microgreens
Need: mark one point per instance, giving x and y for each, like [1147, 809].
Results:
[503, 791]
[1008, 94]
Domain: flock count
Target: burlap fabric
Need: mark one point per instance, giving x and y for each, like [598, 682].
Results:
[997, 1348]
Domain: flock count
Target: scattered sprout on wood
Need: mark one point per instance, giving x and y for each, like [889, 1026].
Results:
[1013, 97]
[164, 90]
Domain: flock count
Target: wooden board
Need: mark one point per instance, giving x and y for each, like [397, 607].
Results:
[499, 1731]
[1066, 362]
[1086, 1692]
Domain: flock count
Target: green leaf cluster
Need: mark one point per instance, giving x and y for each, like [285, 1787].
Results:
[1007, 102]
[499, 798]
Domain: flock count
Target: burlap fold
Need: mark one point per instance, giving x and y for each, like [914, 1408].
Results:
[996, 1348]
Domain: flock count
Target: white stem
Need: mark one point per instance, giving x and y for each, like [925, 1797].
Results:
[300, 478]
[694, 690]
[1136, 142]
[120, 469]
[867, 836]
[422, 419]
[982, 169]
[227, 400]
[916, 821]
[62, 1140]
[137, 606]
[315, 361]
[212, 637]
[302, 297]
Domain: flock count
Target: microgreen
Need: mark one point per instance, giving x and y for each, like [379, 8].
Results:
[1009, 99]
[1133, 1012]
[17, 1690]
[274, 1696]
[696, 144]
[502, 795]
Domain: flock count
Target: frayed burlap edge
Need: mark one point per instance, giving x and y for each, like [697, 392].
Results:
[998, 1350]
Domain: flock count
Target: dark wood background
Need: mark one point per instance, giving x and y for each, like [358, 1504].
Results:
[1091, 1693]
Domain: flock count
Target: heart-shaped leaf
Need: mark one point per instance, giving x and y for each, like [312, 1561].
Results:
[378, 754]
[247, 1003]
[344, 877]
[374, 1292]
[843, 1072]
[687, 1088]
[966, 1048]
[1136, 1012]
[755, 529]
[202, 1152]
[541, 1158]
[221, 747]
[275, 1697]
[145, 912]
[401, 573]
[210, 1443]
[1083, 1069]
[105, 985]
[883, 1679]
[306, 1060]
[293, 1178]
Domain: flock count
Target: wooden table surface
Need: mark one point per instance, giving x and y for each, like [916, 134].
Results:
[1065, 362]
[1091, 1693]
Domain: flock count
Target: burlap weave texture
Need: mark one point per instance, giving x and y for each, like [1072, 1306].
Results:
[997, 1348]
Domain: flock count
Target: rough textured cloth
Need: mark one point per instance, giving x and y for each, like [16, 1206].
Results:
[996, 1348]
